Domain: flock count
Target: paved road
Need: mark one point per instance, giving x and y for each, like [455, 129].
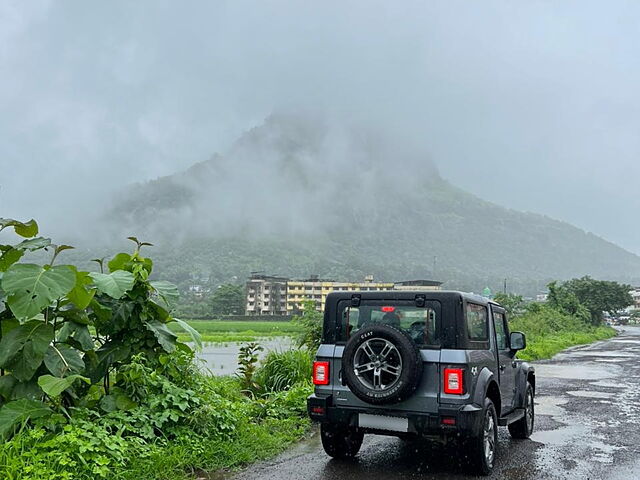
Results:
[587, 426]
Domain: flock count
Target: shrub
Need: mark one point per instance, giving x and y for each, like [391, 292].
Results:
[282, 370]
[311, 322]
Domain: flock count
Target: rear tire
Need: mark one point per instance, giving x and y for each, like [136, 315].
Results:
[523, 428]
[339, 441]
[483, 447]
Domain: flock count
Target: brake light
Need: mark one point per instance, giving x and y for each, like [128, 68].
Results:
[388, 309]
[320, 373]
[453, 381]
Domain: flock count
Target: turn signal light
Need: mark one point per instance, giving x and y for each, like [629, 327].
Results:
[320, 373]
[453, 381]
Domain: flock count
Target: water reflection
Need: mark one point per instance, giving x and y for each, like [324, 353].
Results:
[222, 358]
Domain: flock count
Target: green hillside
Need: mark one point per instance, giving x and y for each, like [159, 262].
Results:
[295, 197]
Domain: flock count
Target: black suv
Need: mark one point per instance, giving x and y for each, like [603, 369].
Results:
[438, 365]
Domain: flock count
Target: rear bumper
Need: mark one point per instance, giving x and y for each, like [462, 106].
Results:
[448, 420]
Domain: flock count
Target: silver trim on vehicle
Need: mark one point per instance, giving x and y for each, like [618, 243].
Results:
[377, 364]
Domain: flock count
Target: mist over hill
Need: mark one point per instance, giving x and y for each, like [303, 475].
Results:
[300, 195]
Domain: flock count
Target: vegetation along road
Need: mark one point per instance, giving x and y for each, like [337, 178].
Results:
[587, 427]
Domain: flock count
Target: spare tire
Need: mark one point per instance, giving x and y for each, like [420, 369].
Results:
[381, 364]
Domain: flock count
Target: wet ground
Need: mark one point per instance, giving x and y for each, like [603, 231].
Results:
[587, 427]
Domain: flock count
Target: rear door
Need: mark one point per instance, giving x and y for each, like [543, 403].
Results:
[506, 364]
[422, 324]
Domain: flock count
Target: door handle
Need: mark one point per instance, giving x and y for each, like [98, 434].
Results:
[502, 367]
[514, 364]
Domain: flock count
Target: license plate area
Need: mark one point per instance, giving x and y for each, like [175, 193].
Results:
[383, 422]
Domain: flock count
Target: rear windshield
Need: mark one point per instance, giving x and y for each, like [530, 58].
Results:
[422, 324]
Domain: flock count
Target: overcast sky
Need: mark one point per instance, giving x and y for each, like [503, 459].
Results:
[534, 105]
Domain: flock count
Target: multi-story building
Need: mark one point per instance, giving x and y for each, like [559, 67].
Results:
[317, 290]
[635, 294]
[266, 295]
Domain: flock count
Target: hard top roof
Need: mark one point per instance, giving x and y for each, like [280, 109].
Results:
[444, 295]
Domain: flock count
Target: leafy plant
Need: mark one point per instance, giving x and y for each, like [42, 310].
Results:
[47, 316]
[247, 364]
[311, 321]
[282, 370]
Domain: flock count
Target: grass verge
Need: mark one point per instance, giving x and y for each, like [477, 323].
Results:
[546, 346]
[223, 331]
[550, 330]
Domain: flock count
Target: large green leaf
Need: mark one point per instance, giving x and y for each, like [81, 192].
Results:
[31, 288]
[8, 324]
[18, 411]
[10, 257]
[193, 333]
[119, 262]
[7, 382]
[25, 363]
[80, 295]
[61, 359]
[108, 354]
[24, 229]
[78, 332]
[11, 254]
[166, 338]
[29, 390]
[22, 349]
[167, 291]
[34, 244]
[54, 386]
[114, 284]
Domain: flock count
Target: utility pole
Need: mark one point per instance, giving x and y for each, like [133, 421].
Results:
[435, 259]
[505, 286]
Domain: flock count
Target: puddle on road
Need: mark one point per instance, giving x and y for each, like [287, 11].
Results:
[560, 436]
[551, 406]
[584, 371]
[585, 394]
[592, 353]
[610, 360]
[605, 384]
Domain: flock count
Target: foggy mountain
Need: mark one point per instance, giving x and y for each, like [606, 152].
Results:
[301, 195]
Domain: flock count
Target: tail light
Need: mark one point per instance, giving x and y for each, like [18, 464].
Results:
[453, 381]
[320, 373]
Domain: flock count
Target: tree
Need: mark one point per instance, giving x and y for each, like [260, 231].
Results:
[596, 296]
[228, 299]
[511, 302]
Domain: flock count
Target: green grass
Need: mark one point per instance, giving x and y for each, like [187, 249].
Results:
[546, 346]
[550, 331]
[186, 458]
[224, 331]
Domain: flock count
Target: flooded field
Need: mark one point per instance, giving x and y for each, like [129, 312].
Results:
[222, 358]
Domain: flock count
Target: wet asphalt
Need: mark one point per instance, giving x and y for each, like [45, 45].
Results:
[587, 427]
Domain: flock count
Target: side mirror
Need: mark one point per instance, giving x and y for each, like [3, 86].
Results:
[517, 341]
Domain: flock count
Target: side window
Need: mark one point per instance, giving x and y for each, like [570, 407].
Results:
[501, 334]
[477, 323]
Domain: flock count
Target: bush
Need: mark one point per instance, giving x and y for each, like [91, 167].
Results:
[282, 370]
[311, 322]
[94, 385]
